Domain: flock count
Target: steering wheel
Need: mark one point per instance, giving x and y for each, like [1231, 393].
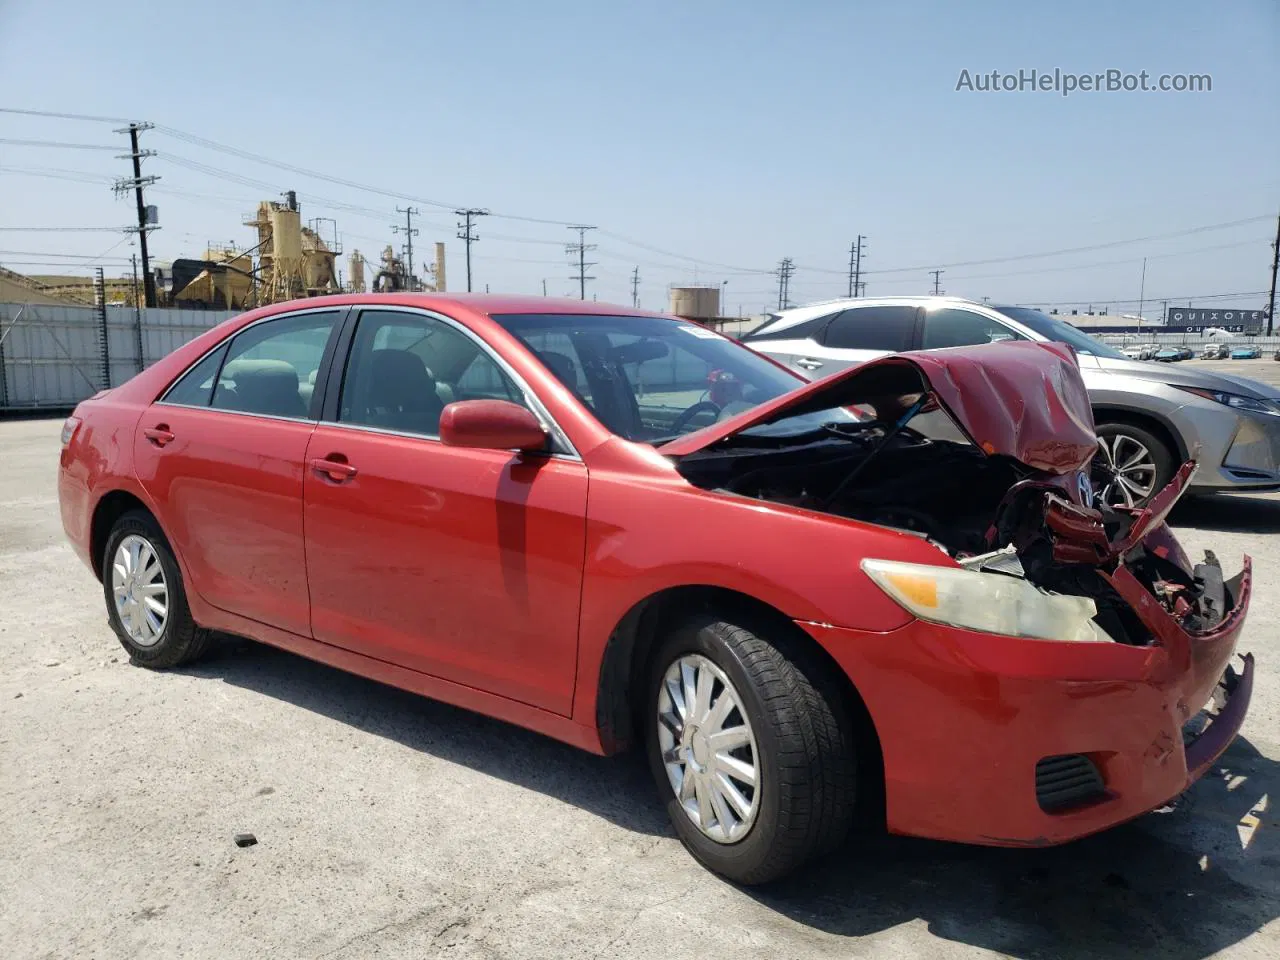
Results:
[684, 418]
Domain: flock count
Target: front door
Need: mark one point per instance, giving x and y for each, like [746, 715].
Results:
[222, 454]
[463, 564]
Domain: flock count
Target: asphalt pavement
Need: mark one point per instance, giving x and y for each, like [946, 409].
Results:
[392, 826]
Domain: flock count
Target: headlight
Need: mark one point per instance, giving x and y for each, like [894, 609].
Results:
[987, 602]
[1269, 407]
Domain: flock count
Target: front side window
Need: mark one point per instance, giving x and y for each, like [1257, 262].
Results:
[271, 368]
[951, 327]
[405, 368]
[888, 329]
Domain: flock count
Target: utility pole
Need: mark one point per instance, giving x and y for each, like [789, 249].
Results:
[544, 287]
[409, 231]
[137, 182]
[581, 248]
[635, 287]
[1275, 262]
[937, 281]
[855, 265]
[137, 312]
[467, 233]
[785, 268]
[859, 285]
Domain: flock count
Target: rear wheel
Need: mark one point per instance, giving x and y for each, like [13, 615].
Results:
[1131, 465]
[751, 747]
[146, 600]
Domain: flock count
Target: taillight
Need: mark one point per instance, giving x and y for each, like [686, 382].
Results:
[69, 429]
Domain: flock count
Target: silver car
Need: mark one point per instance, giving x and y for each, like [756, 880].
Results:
[1150, 417]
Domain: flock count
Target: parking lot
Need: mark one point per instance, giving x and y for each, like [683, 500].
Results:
[389, 825]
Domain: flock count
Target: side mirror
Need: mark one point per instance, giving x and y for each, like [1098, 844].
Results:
[492, 425]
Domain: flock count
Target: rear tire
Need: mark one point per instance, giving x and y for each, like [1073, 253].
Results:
[1140, 480]
[146, 598]
[798, 745]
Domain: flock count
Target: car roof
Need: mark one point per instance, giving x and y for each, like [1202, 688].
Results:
[793, 315]
[487, 303]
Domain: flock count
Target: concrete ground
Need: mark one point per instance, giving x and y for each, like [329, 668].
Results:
[392, 826]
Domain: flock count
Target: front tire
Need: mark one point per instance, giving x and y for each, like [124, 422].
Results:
[1132, 465]
[146, 599]
[751, 745]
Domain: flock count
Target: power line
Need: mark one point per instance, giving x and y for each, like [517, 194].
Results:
[467, 233]
[56, 143]
[62, 116]
[67, 229]
[581, 248]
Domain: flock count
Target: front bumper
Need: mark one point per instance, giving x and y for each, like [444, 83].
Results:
[964, 719]
[1237, 451]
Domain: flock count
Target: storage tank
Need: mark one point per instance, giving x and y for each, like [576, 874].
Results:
[695, 303]
[286, 238]
[356, 272]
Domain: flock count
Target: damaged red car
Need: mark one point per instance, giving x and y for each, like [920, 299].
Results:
[885, 595]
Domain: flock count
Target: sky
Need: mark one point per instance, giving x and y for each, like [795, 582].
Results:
[705, 140]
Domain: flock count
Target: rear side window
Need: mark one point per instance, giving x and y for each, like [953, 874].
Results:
[271, 368]
[872, 328]
[196, 385]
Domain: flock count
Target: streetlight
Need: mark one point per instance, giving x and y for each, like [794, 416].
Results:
[724, 298]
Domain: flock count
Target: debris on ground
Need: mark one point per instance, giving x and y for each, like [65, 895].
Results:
[245, 839]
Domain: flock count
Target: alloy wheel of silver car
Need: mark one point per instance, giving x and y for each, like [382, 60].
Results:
[140, 591]
[1125, 471]
[708, 748]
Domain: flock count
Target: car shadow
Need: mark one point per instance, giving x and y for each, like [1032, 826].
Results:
[1228, 513]
[1180, 885]
[606, 787]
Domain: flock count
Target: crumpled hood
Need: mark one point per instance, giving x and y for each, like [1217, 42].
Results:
[1180, 376]
[1023, 400]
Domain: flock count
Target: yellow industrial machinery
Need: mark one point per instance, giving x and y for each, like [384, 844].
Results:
[293, 261]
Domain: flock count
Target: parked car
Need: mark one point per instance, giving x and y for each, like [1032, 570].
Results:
[783, 599]
[1245, 353]
[1168, 355]
[1143, 351]
[1149, 416]
[1215, 351]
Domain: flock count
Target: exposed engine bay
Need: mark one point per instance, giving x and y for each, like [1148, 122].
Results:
[988, 512]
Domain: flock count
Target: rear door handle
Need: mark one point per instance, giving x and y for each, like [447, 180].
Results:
[808, 363]
[159, 434]
[335, 470]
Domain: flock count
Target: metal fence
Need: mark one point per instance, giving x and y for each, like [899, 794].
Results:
[52, 357]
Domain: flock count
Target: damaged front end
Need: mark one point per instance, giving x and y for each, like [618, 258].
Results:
[985, 452]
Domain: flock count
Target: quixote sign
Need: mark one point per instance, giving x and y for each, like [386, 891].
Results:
[1228, 318]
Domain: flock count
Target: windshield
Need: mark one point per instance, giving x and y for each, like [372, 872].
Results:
[1060, 331]
[653, 379]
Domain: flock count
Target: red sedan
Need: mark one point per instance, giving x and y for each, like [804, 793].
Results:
[885, 594]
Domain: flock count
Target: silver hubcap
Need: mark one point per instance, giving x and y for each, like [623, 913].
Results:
[140, 591]
[708, 748]
[1125, 471]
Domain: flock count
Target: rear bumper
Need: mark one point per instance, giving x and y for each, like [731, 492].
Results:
[963, 720]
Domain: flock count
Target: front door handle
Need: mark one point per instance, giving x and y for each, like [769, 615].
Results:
[335, 470]
[159, 434]
[808, 363]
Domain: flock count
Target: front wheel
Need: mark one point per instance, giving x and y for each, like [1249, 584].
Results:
[751, 746]
[1132, 464]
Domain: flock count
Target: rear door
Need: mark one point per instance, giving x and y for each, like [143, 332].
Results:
[463, 564]
[221, 455]
[860, 334]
